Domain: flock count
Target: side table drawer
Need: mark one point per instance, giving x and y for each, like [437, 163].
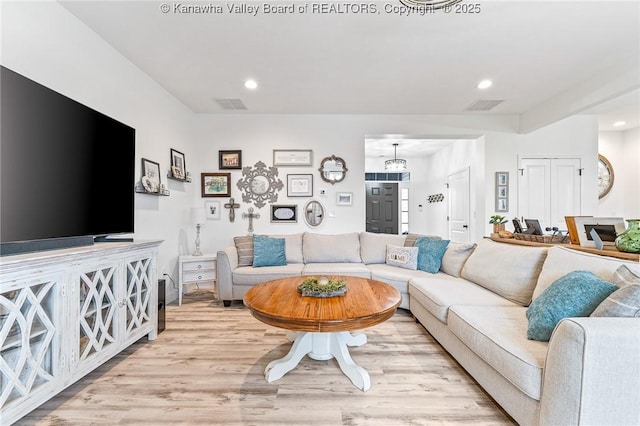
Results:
[208, 275]
[199, 266]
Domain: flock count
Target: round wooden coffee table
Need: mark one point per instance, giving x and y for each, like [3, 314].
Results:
[319, 327]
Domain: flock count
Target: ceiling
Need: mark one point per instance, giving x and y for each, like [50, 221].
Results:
[374, 63]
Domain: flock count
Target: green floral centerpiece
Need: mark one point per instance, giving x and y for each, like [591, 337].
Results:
[322, 287]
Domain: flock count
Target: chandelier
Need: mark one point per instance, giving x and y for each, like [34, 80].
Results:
[397, 164]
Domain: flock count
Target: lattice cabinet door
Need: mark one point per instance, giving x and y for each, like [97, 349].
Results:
[98, 304]
[30, 327]
[139, 301]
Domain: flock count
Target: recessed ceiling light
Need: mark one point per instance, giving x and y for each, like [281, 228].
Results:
[251, 84]
[619, 123]
[484, 84]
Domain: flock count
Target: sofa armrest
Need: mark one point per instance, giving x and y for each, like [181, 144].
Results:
[227, 262]
[592, 372]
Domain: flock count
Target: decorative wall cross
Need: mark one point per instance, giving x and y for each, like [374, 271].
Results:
[232, 205]
[251, 215]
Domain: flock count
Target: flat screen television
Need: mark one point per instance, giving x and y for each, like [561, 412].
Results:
[66, 170]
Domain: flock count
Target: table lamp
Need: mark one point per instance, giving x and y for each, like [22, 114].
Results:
[199, 217]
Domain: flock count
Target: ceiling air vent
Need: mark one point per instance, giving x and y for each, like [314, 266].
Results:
[483, 105]
[231, 104]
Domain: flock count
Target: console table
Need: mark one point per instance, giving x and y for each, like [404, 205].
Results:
[65, 312]
[610, 252]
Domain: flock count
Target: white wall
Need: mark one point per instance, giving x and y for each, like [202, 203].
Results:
[44, 42]
[622, 149]
[574, 136]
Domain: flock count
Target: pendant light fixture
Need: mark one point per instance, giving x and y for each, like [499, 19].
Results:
[397, 164]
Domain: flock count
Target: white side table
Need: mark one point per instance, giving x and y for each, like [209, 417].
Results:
[196, 270]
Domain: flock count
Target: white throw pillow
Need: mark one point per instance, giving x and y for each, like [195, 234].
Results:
[402, 257]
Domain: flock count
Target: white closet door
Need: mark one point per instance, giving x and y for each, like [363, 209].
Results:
[549, 189]
[534, 190]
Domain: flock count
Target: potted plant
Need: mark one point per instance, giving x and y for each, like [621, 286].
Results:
[498, 222]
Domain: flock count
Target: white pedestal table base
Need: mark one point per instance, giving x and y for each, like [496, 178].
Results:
[322, 346]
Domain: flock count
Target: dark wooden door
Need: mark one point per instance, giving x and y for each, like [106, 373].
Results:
[382, 207]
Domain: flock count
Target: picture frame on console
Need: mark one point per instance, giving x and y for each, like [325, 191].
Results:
[607, 229]
[216, 184]
[178, 165]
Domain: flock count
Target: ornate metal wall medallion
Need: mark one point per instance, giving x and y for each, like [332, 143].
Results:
[260, 184]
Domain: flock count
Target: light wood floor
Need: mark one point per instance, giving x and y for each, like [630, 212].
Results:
[207, 368]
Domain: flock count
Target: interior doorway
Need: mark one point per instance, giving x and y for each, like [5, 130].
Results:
[458, 190]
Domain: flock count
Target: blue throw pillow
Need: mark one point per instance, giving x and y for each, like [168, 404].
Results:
[576, 294]
[430, 253]
[268, 251]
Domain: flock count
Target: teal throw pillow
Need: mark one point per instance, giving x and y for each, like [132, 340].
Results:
[430, 253]
[576, 294]
[268, 251]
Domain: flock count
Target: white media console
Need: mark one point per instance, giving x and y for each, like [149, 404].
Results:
[65, 312]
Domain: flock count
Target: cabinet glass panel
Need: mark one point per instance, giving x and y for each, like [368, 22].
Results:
[27, 328]
[138, 294]
[97, 309]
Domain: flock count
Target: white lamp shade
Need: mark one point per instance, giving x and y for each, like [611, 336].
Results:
[198, 215]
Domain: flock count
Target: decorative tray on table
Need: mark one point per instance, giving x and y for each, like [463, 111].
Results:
[322, 287]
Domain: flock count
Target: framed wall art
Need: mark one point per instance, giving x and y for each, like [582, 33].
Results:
[344, 198]
[150, 175]
[178, 166]
[292, 157]
[502, 191]
[229, 159]
[212, 209]
[284, 213]
[216, 184]
[299, 185]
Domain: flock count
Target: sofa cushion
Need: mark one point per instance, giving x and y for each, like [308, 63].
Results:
[319, 248]
[373, 247]
[248, 275]
[497, 334]
[624, 302]
[293, 247]
[577, 294]
[507, 269]
[438, 292]
[402, 257]
[268, 251]
[410, 240]
[561, 260]
[623, 276]
[430, 253]
[394, 276]
[455, 257]
[244, 247]
[350, 269]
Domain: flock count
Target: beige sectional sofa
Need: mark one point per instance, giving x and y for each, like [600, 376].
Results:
[589, 371]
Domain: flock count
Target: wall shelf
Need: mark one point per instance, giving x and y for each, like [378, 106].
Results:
[141, 190]
[172, 177]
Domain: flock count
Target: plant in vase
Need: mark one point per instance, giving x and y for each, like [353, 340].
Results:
[629, 240]
[498, 222]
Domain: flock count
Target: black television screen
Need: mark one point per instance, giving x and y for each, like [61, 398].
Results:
[66, 170]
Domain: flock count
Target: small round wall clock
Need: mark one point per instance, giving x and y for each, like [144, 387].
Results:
[605, 176]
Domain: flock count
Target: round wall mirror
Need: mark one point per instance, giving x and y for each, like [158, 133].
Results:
[313, 213]
[333, 169]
